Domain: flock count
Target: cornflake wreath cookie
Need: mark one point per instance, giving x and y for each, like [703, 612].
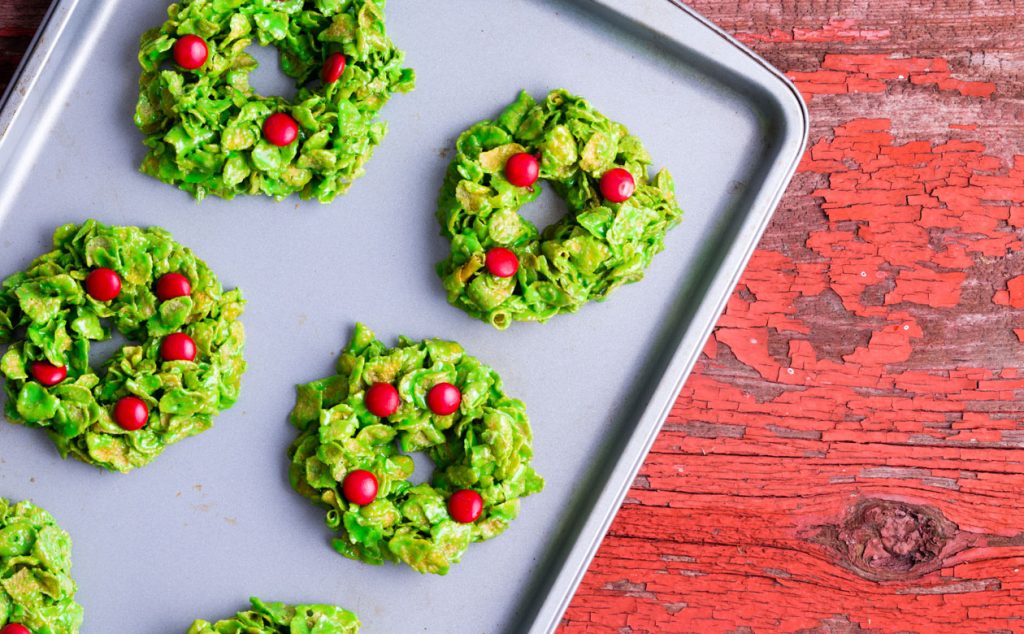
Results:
[501, 268]
[37, 594]
[279, 618]
[207, 130]
[183, 365]
[358, 425]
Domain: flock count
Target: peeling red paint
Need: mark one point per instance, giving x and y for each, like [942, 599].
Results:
[836, 30]
[923, 213]
[842, 370]
[1014, 292]
[864, 73]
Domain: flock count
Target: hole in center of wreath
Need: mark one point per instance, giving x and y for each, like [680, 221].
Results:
[422, 468]
[101, 351]
[267, 78]
[546, 210]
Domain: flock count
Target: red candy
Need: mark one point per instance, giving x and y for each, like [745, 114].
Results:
[444, 399]
[382, 399]
[172, 285]
[465, 506]
[333, 68]
[502, 262]
[48, 374]
[359, 487]
[103, 285]
[190, 52]
[15, 628]
[131, 413]
[178, 347]
[522, 169]
[280, 129]
[617, 185]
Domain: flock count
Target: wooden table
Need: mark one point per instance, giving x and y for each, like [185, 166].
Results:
[848, 456]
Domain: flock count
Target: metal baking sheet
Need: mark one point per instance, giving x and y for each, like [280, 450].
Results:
[214, 521]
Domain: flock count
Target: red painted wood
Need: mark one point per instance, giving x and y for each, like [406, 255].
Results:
[18, 22]
[849, 453]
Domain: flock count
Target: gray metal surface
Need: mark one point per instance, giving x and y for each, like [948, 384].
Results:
[214, 520]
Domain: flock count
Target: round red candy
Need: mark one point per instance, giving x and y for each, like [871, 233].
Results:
[444, 399]
[522, 169]
[502, 262]
[15, 628]
[172, 285]
[465, 506]
[178, 347]
[190, 52]
[48, 374]
[280, 129]
[131, 413]
[617, 185]
[333, 68]
[359, 487]
[103, 284]
[382, 399]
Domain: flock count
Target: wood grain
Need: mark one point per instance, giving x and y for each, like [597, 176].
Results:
[848, 456]
[18, 22]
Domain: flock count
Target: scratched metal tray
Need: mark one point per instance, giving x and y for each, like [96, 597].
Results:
[214, 520]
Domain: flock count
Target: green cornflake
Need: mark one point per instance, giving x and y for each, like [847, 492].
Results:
[36, 589]
[204, 127]
[60, 320]
[485, 446]
[596, 247]
[279, 618]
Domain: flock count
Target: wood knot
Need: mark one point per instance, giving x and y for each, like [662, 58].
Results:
[887, 540]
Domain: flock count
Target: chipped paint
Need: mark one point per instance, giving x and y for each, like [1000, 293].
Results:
[848, 455]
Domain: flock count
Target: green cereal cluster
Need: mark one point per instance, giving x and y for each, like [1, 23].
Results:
[203, 127]
[36, 589]
[484, 446]
[279, 618]
[49, 304]
[597, 246]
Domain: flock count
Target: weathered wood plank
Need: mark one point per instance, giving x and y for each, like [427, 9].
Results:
[18, 22]
[848, 454]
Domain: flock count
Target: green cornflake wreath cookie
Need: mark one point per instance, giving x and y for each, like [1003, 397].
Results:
[501, 268]
[207, 130]
[36, 589]
[358, 425]
[183, 367]
[279, 618]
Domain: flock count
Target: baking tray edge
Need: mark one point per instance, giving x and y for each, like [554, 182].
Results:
[38, 51]
[558, 593]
